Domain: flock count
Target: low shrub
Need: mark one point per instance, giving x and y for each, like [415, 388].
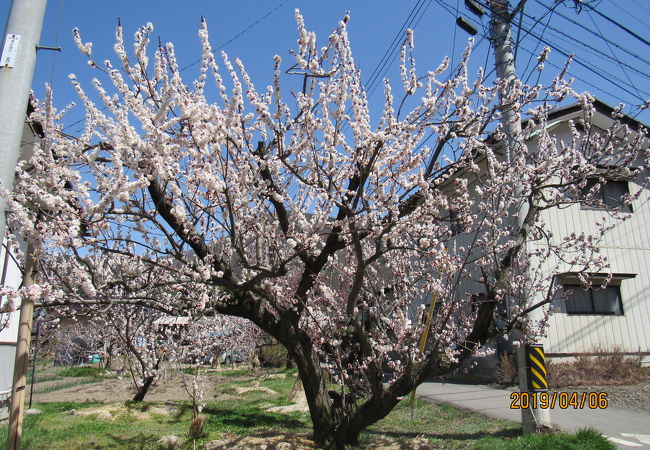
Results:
[272, 354]
[507, 371]
[603, 368]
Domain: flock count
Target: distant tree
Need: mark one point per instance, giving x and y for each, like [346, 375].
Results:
[298, 212]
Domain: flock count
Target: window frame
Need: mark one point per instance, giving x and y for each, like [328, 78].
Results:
[572, 281]
[455, 225]
[593, 312]
[602, 195]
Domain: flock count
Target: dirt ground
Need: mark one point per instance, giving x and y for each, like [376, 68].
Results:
[634, 396]
[167, 388]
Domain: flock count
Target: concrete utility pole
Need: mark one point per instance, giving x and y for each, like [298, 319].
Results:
[21, 37]
[534, 417]
[17, 62]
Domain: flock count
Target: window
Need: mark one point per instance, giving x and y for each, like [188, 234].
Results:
[609, 195]
[594, 300]
[455, 225]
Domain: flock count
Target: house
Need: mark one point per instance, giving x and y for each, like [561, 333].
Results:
[614, 318]
[598, 319]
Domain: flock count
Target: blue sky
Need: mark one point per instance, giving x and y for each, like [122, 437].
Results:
[259, 29]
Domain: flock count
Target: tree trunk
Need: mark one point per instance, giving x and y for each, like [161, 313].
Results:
[142, 390]
[290, 364]
[109, 357]
[336, 420]
[318, 399]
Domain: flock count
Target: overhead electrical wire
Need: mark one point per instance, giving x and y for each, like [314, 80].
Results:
[633, 16]
[539, 41]
[572, 39]
[242, 32]
[579, 78]
[577, 60]
[640, 5]
[246, 29]
[622, 27]
[619, 83]
[609, 77]
[621, 65]
[576, 23]
[393, 49]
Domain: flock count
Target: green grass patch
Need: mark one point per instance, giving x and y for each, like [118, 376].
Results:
[138, 425]
[95, 372]
[141, 425]
[442, 425]
[236, 373]
[583, 439]
[190, 370]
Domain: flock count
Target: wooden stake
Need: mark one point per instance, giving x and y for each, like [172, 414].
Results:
[17, 408]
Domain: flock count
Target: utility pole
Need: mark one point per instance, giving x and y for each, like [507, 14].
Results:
[18, 391]
[535, 417]
[20, 40]
[17, 62]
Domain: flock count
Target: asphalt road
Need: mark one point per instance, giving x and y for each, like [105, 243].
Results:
[625, 428]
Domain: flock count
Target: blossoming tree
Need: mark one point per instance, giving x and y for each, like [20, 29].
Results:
[297, 211]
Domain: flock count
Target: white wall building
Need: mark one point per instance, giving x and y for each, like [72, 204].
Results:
[616, 318]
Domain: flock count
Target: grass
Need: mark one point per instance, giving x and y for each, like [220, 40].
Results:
[56, 428]
[141, 425]
[583, 439]
[94, 372]
[441, 425]
[234, 372]
[190, 370]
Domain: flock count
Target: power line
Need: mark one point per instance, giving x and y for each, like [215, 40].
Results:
[530, 59]
[582, 80]
[642, 6]
[594, 50]
[391, 53]
[645, 24]
[622, 27]
[578, 61]
[242, 32]
[634, 55]
[610, 78]
[248, 28]
[614, 55]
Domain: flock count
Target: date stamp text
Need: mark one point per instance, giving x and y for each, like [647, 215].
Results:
[561, 400]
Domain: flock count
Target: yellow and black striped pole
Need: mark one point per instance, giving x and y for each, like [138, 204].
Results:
[536, 368]
[532, 382]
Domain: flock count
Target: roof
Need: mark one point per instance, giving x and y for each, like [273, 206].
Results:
[601, 107]
[564, 113]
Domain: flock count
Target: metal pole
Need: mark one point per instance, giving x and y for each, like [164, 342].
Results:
[17, 62]
[511, 122]
[17, 407]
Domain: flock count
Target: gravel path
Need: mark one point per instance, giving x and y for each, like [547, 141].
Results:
[634, 396]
